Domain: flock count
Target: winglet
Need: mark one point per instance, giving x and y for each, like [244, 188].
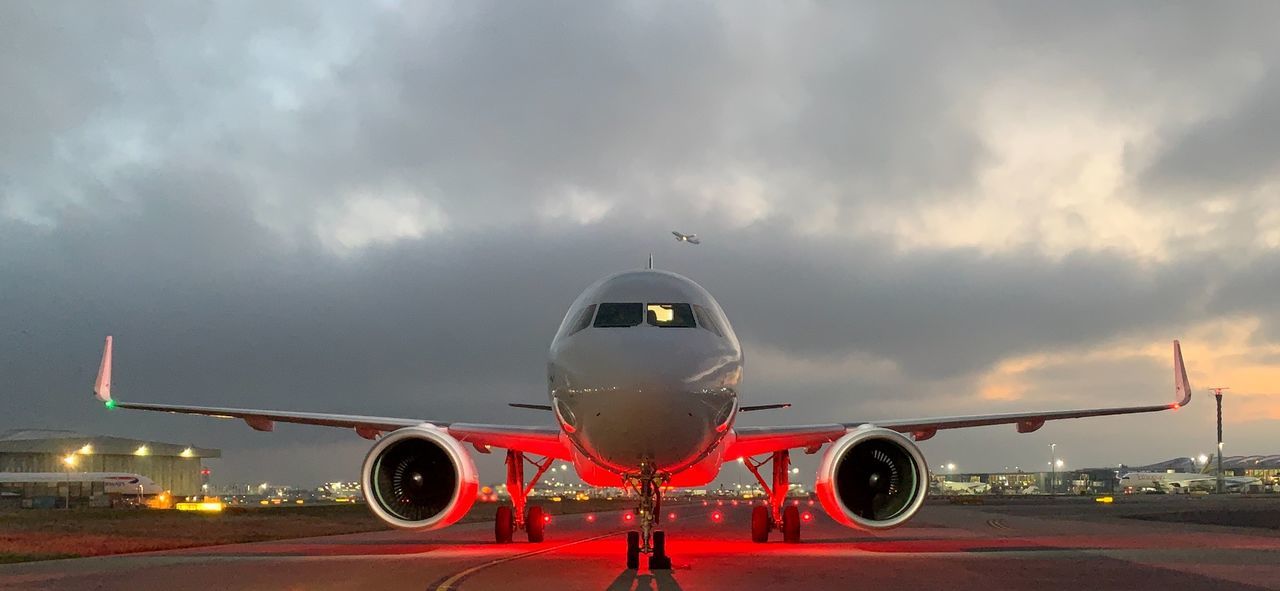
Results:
[102, 386]
[1181, 386]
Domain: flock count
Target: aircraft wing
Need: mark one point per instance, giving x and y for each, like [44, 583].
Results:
[757, 440]
[543, 441]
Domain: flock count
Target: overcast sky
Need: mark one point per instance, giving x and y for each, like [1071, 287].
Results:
[385, 208]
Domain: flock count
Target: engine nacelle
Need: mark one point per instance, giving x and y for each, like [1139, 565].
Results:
[872, 478]
[419, 478]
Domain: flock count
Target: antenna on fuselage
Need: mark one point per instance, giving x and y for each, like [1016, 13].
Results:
[650, 260]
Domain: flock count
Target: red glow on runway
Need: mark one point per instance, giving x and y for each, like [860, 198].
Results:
[627, 517]
[806, 517]
[704, 503]
[717, 516]
[796, 502]
[810, 502]
[671, 516]
[546, 519]
[591, 517]
[719, 503]
[735, 503]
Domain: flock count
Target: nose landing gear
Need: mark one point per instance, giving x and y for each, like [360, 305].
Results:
[648, 540]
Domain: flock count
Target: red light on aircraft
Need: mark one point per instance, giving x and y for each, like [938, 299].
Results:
[1177, 405]
[591, 517]
[796, 502]
[810, 502]
[717, 516]
[704, 503]
[806, 517]
[546, 519]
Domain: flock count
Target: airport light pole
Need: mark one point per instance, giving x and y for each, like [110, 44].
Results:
[69, 461]
[1217, 395]
[1053, 468]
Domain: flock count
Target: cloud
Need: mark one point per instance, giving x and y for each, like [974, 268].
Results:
[385, 209]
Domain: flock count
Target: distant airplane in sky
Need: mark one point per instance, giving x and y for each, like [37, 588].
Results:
[690, 238]
[643, 379]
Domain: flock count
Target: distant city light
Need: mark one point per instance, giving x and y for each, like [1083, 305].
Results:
[69, 460]
[142, 450]
[87, 449]
[188, 453]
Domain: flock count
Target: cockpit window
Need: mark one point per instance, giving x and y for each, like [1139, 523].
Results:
[669, 315]
[614, 315]
[706, 320]
[583, 320]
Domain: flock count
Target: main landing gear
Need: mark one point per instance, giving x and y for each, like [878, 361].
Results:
[775, 516]
[509, 519]
[648, 540]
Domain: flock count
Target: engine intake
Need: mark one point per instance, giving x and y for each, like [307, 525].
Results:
[872, 478]
[419, 478]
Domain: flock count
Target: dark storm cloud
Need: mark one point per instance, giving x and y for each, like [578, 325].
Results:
[170, 173]
[1232, 150]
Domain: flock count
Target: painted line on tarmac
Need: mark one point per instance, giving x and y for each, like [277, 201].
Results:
[998, 524]
[453, 581]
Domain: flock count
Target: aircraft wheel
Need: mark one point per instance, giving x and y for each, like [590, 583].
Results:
[535, 524]
[659, 559]
[759, 524]
[503, 523]
[791, 524]
[633, 550]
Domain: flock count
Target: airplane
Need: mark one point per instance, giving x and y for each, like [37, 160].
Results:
[1179, 482]
[643, 377]
[114, 483]
[963, 488]
[690, 238]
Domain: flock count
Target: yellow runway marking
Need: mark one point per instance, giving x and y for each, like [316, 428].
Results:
[450, 582]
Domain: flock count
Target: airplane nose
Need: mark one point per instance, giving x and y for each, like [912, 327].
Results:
[636, 405]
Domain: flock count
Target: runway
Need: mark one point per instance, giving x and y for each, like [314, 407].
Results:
[1046, 544]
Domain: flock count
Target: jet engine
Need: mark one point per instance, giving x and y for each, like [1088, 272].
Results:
[872, 478]
[419, 478]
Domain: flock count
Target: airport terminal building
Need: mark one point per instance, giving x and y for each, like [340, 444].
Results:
[1266, 468]
[177, 468]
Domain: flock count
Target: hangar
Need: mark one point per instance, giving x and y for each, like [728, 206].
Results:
[177, 468]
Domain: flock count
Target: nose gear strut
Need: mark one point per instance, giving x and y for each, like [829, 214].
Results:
[648, 488]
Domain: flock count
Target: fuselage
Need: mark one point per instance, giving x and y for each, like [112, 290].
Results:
[643, 376]
[120, 483]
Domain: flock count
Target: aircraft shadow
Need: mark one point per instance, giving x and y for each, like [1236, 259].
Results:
[630, 580]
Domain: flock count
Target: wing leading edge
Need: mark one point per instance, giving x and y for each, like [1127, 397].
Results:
[544, 441]
[757, 440]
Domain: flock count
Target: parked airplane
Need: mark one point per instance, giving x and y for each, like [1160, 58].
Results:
[1178, 482]
[643, 381]
[963, 488]
[114, 483]
[690, 238]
